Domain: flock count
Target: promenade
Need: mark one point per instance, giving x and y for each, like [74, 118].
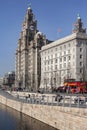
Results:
[65, 100]
[63, 115]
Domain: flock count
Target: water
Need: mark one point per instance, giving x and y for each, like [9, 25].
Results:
[14, 120]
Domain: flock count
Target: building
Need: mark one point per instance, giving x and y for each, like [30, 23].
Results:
[65, 58]
[1, 81]
[28, 62]
[9, 79]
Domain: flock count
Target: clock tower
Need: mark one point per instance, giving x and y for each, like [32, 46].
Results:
[28, 61]
[30, 24]
[78, 27]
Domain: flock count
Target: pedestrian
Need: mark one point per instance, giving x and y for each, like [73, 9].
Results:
[29, 95]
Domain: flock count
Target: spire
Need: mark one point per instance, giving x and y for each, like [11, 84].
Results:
[78, 26]
[29, 7]
[78, 16]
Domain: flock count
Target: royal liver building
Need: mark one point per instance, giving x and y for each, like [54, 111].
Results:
[28, 62]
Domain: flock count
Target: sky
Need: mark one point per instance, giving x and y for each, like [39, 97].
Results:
[51, 16]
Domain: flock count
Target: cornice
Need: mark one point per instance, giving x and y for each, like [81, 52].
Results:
[65, 39]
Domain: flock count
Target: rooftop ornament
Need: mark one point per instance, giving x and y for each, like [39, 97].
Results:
[78, 16]
[29, 6]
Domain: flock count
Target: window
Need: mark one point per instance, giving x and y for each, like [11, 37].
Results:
[68, 64]
[64, 65]
[48, 62]
[69, 57]
[45, 63]
[51, 56]
[51, 61]
[69, 44]
[80, 49]
[64, 58]
[55, 67]
[55, 60]
[60, 47]
[64, 52]
[55, 55]
[60, 59]
[80, 70]
[80, 63]
[80, 56]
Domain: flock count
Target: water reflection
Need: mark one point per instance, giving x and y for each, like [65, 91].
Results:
[14, 120]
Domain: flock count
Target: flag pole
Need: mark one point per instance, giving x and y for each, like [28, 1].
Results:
[58, 33]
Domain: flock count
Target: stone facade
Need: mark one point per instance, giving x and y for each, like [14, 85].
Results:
[40, 64]
[65, 58]
[1, 81]
[9, 79]
[28, 63]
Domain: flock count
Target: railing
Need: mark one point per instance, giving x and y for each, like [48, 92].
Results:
[59, 100]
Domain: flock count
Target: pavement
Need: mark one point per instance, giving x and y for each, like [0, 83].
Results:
[45, 99]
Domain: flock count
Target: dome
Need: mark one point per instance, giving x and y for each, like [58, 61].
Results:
[78, 16]
[39, 34]
[29, 6]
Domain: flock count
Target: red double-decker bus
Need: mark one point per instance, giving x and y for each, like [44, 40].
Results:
[76, 86]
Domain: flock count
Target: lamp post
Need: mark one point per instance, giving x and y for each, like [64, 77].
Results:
[45, 82]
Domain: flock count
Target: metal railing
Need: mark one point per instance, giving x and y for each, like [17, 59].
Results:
[58, 100]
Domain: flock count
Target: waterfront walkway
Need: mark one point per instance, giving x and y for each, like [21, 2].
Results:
[47, 99]
[61, 114]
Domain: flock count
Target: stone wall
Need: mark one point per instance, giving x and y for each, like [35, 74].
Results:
[62, 118]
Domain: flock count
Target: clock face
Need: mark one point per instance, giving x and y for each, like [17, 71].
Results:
[31, 27]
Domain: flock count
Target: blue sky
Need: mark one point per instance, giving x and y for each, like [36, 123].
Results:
[51, 16]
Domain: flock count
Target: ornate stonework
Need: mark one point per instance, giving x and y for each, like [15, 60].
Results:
[28, 66]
